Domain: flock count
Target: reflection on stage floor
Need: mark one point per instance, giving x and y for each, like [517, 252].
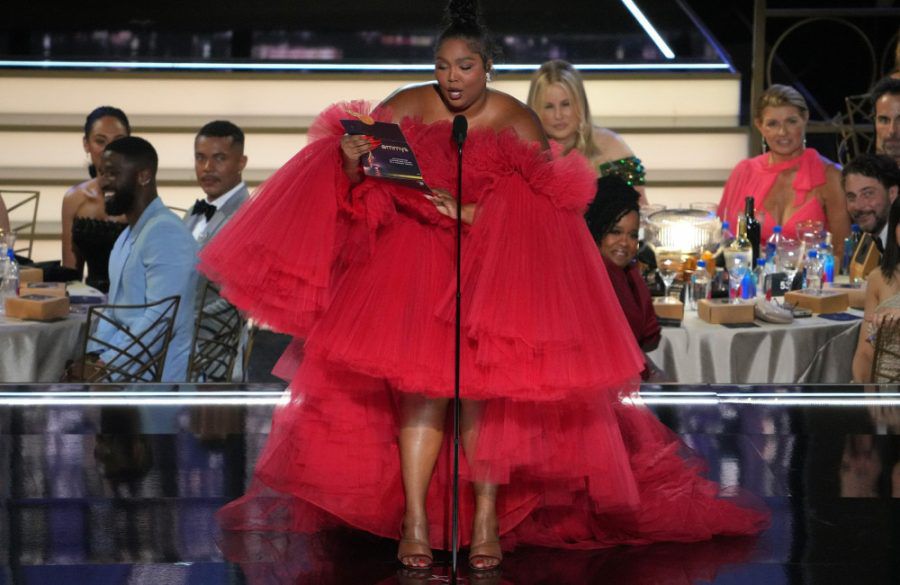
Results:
[120, 485]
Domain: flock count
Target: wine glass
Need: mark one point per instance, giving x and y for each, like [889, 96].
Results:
[668, 263]
[789, 258]
[737, 262]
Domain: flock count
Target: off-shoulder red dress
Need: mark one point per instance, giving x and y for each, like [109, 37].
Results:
[365, 275]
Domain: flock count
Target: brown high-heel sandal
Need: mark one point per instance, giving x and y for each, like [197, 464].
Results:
[488, 552]
[418, 549]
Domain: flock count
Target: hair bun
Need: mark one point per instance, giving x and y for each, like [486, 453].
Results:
[463, 14]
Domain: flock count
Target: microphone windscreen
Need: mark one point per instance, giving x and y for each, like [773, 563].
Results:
[460, 128]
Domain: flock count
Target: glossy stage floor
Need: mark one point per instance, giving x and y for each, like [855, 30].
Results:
[85, 499]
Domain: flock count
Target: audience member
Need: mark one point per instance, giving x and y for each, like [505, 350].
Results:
[870, 185]
[791, 183]
[886, 99]
[219, 160]
[614, 218]
[557, 95]
[88, 232]
[153, 258]
[882, 305]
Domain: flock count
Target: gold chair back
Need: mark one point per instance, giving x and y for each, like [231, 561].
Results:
[143, 357]
[886, 361]
[22, 205]
[856, 129]
[218, 336]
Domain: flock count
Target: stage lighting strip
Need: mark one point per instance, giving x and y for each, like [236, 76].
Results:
[267, 398]
[338, 67]
[648, 27]
[768, 398]
[148, 398]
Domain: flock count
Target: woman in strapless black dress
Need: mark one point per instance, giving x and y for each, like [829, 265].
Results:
[88, 234]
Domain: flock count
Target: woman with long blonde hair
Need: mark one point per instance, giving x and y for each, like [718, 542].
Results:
[557, 95]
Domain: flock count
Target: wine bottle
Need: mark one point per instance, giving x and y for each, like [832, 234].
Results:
[754, 229]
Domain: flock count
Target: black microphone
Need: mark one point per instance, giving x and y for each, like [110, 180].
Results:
[460, 128]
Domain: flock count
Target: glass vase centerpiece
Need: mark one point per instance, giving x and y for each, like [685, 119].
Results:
[678, 238]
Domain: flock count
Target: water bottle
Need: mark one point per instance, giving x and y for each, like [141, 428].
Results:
[759, 277]
[9, 286]
[4, 261]
[12, 272]
[748, 289]
[813, 270]
[826, 255]
[772, 248]
[699, 288]
[727, 236]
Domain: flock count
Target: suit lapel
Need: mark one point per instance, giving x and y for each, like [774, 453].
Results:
[117, 264]
[222, 215]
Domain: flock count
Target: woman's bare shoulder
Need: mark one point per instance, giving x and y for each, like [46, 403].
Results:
[611, 145]
[409, 100]
[876, 284]
[832, 170]
[79, 191]
[511, 113]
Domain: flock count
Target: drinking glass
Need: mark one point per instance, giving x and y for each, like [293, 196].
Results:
[811, 233]
[737, 262]
[789, 258]
[668, 263]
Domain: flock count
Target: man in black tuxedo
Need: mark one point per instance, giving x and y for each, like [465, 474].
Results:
[219, 160]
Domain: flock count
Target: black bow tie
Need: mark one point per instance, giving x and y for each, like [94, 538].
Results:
[201, 206]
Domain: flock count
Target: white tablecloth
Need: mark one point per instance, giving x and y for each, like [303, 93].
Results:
[32, 351]
[810, 350]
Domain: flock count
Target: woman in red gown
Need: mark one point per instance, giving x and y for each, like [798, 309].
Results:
[362, 270]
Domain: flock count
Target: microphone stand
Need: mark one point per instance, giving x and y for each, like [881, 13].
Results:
[460, 127]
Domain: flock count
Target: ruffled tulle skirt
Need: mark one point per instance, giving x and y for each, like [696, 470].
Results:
[578, 468]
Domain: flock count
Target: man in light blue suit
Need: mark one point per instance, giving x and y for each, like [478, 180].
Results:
[153, 258]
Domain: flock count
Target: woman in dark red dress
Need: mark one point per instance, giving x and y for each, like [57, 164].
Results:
[614, 220]
[362, 270]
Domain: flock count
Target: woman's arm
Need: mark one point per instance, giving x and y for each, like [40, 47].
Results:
[613, 147]
[835, 204]
[71, 202]
[865, 352]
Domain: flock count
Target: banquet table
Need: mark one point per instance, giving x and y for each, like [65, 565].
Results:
[809, 350]
[34, 351]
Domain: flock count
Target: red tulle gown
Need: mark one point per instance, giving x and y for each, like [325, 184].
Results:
[365, 275]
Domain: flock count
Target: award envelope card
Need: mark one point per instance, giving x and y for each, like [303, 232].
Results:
[392, 156]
